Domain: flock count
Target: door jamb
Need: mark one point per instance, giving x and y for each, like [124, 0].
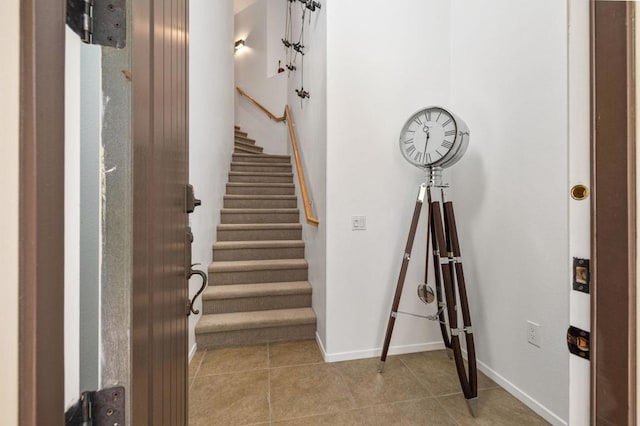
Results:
[613, 400]
[41, 241]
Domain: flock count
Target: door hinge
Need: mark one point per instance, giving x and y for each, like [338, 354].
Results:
[98, 408]
[101, 22]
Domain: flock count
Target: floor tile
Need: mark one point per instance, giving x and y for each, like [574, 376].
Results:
[424, 412]
[229, 399]
[308, 390]
[436, 371]
[342, 418]
[195, 363]
[496, 407]
[369, 387]
[300, 352]
[236, 359]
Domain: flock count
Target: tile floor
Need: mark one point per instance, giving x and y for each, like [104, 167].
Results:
[289, 384]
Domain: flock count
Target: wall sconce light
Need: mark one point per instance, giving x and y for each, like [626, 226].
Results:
[239, 44]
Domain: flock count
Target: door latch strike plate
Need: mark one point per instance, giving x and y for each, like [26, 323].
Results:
[579, 342]
[581, 275]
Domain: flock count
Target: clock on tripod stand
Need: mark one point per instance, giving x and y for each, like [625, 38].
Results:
[434, 138]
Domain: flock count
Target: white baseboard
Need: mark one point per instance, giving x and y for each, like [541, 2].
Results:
[525, 398]
[193, 351]
[375, 352]
[522, 396]
[321, 347]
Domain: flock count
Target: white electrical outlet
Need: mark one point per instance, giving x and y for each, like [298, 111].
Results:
[358, 223]
[533, 333]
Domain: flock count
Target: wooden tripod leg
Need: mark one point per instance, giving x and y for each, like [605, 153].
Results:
[464, 300]
[451, 310]
[403, 272]
[436, 272]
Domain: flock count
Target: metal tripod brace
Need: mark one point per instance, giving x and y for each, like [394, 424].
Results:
[443, 235]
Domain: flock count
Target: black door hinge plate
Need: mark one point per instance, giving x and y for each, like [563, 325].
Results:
[101, 22]
[98, 408]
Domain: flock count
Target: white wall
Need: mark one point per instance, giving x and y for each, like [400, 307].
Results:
[510, 82]
[9, 214]
[395, 62]
[254, 67]
[310, 118]
[72, 219]
[210, 124]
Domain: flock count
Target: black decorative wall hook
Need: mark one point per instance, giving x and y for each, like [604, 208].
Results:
[311, 5]
[303, 93]
[298, 47]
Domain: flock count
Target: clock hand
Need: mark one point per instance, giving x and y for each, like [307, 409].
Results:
[424, 153]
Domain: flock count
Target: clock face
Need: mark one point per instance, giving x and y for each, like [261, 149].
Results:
[428, 137]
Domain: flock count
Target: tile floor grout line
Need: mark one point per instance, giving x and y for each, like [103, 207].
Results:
[428, 385]
[434, 396]
[232, 372]
[195, 375]
[299, 365]
[200, 364]
[447, 411]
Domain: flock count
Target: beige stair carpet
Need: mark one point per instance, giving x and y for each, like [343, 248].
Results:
[258, 286]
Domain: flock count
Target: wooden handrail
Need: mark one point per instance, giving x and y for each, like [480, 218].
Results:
[259, 105]
[311, 219]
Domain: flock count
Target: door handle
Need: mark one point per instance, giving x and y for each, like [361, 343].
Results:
[191, 201]
[202, 275]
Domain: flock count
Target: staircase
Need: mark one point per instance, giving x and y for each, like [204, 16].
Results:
[258, 290]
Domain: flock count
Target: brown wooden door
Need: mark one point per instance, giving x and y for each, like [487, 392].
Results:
[160, 161]
[160, 148]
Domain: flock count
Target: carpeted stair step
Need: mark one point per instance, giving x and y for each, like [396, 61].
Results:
[260, 201]
[259, 188]
[259, 231]
[259, 215]
[258, 250]
[261, 158]
[245, 328]
[244, 140]
[221, 299]
[253, 148]
[257, 271]
[257, 177]
[240, 133]
[240, 150]
[260, 167]
[236, 127]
